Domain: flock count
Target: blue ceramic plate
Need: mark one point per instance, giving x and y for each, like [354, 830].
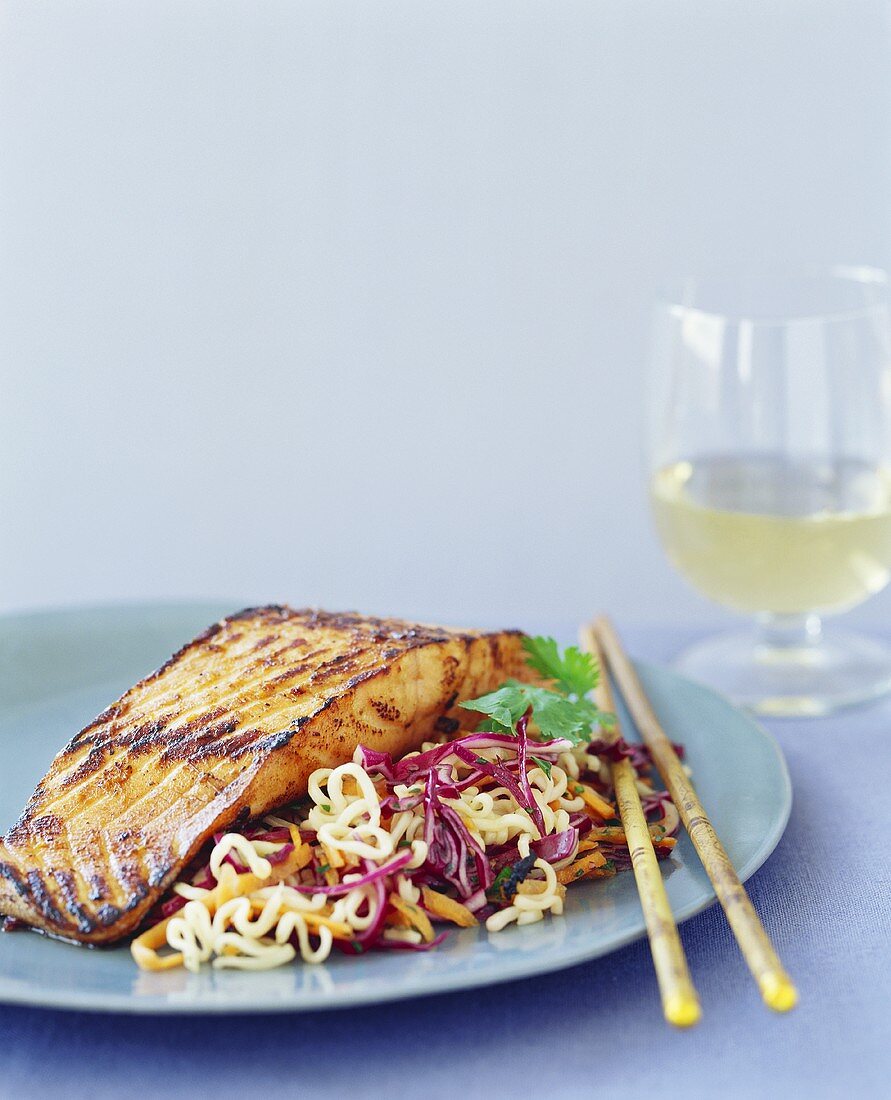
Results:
[59, 669]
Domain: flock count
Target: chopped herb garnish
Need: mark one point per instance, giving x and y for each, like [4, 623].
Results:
[495, 890]
[544, 765]
[562, 712]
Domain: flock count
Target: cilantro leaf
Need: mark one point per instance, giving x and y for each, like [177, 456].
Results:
[556, 715]
[575, 673]
[505, 706]
[489, 725]
[560, 711]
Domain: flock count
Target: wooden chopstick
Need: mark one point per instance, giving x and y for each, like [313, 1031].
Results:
[777, 988]
[680, 1003]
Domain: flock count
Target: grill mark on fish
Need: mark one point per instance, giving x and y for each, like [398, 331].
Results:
[25, 883]
[108, 915]
[104, 858]
[90, 764]
[10, 874]
[288, 674]
[43, 899]
[98, 887]
[68, 888]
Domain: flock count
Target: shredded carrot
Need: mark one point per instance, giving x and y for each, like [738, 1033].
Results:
[397, 919]
[587, 845]
[441, 905]
[586, 867]
[302, 857]
[416, 916]
[335, 858]
[145, 949]
[592, 799]
[593, 872]
[150, 960]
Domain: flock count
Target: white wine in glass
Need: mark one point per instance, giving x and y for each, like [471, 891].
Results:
[770, 477]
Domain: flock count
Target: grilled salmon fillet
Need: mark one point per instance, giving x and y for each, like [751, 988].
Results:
[228, 729]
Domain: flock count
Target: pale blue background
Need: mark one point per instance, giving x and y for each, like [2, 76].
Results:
[346, 303]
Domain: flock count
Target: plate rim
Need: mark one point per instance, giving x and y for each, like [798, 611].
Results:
[12, 992]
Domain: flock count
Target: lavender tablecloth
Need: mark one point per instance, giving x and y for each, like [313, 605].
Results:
[824, 896]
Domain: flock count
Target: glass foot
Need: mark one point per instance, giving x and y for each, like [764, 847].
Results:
[802, 673]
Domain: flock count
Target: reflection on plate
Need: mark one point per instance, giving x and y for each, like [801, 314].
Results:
[58, 669]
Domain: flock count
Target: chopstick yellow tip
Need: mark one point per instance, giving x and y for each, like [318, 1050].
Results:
[682, 1010]
[778, 992]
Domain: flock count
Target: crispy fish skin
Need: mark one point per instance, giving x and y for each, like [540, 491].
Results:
[229, 728]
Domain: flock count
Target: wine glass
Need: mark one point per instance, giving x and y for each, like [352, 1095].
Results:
[770, 467]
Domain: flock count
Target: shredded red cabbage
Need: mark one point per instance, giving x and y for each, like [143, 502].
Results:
[281, 854]
[451, 851]
[409, 767]
[172, 905]
[372, 873]
[637, 753]
[556, 846]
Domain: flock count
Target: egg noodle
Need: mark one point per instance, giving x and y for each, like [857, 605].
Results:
[463, 832]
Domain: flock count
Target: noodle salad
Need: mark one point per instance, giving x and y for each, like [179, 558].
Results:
[489, 828]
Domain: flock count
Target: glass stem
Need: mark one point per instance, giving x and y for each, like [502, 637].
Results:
[789, 631]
